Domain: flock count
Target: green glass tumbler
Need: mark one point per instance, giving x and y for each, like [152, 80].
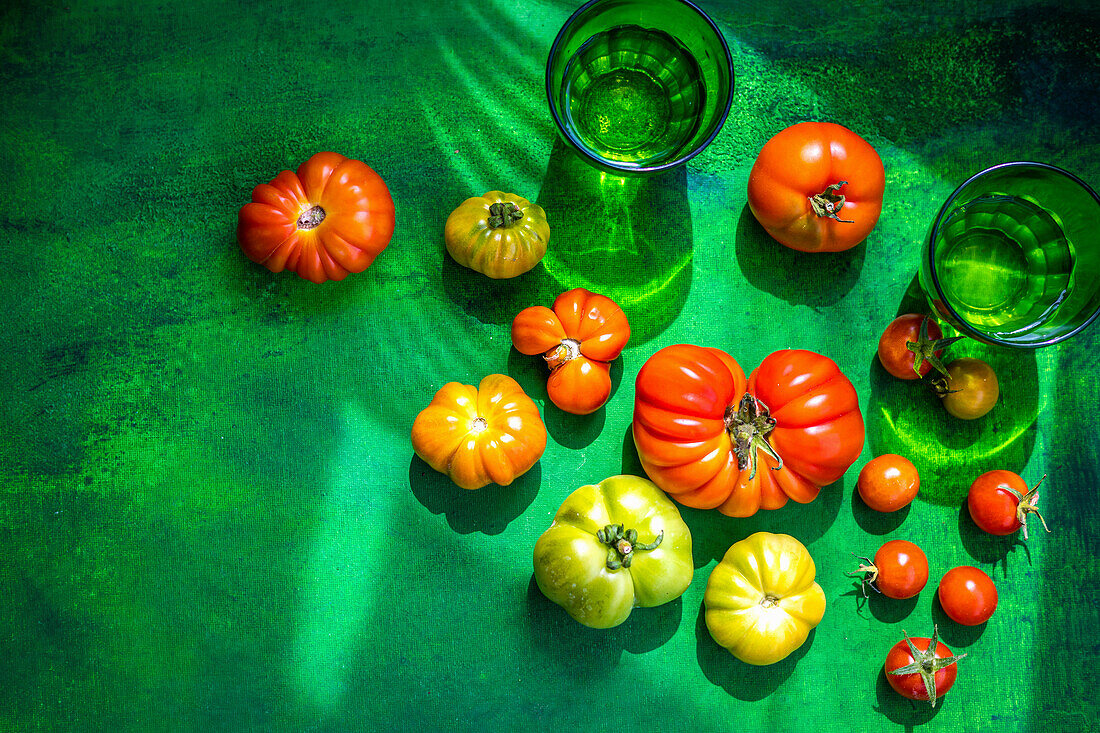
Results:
[639, 86]
[1013, 257]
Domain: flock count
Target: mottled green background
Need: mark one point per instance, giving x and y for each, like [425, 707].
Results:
[211, 516]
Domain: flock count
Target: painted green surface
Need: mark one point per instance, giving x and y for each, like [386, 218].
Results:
[211, 516]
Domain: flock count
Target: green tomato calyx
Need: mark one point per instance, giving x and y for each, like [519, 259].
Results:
[504, 214]
[1027, 505]
[622, 545]
[310, 218]
[829, 203]
[926, 663]
[925, 349]
[749, 425]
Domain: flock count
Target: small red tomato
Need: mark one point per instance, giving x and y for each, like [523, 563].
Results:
[999, 502]
[970, 389]
[968, 595]
[921, 669]
[899, 570]
[912, 345]
[888, 483]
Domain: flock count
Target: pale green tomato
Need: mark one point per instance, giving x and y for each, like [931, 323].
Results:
[613, 546]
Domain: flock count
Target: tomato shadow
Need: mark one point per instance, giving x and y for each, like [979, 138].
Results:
[628, 238]
[989, 549]
[590, 652]
[957, 636]
[814, 279]
[567, 429]
[495, 301]
[906, 418]
[744, 681]
[883, 609]
[902, 710]
[488, 509]
[876, 522]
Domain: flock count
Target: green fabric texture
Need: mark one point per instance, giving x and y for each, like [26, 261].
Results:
[212, 517]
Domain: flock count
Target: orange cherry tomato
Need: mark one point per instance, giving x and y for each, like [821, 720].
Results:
[817, 187]
[491, 434]
[713, 439]
[888, 483]
[578, 339]
[331, 218]
[899, 570]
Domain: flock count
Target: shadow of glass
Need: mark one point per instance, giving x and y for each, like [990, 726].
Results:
[628, 238]
[744, 681]
[787, 274]
[593, 652]
[906, 418]
[487, 510]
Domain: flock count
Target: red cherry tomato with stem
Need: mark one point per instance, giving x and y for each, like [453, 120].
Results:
[899, 570]
[1000, 502]
[967, 595]
[912, 345]
[921, 669]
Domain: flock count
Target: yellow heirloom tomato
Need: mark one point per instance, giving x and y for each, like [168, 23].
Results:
[499, 234]
[612, 546]
[761, 600]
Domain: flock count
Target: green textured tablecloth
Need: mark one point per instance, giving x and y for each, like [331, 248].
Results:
[211, 515]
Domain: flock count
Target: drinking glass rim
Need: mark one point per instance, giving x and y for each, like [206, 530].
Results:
[579, 147]
[957, 320]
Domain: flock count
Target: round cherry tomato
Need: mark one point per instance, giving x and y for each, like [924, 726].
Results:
[888, 483]
[921, 668]
[999, 502]
[971, 388]
[579, 339]
[899, 570]
[713, 439]
[911, 340]
[330, 218]
[968, 595]
[817, 187]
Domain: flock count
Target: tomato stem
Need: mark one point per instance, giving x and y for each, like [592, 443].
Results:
[1027, 505]
[749, 425]
[311, 217]
[567, 350]
[829, 203]
[925, 349]
[504, 214]
[869, 579]
[623, 544]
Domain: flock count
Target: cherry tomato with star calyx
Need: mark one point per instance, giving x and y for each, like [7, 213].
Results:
[1000, 502]
[899, 570]
[817, 187]
[912, 345]
[921, 668]
[967, 595]
[888, 483]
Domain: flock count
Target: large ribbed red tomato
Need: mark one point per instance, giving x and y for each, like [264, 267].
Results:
[331, 218]
[817, 187]
[713, 439]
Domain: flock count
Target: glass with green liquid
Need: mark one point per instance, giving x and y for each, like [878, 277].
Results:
[639, 86]
[1013, 257]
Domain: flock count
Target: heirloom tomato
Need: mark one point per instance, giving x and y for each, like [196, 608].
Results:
[702, 430]
[499, 234]
[967, 595]
[578, 339]
[888, 483]
[331, 218]
[970, 389]
[613, 546]
[817, 187]
[912, 345]
[491, 434]
[921, 668]
[899, 570]
[761, 599]
[999, 503]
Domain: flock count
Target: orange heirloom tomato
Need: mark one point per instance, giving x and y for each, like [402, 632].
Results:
[705, 434]
[499, 234]
[491, 434]
[817, 187]
[331, 218]
[578, 339]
